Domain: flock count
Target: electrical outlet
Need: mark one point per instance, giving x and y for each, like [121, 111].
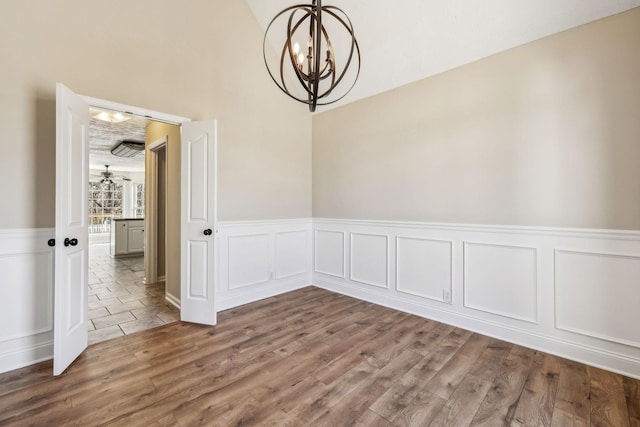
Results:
[446, 295]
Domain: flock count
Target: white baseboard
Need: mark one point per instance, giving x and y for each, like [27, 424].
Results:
[25, 356]
[267, 290]
[172, 300]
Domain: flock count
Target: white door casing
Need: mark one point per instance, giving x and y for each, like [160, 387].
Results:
[151, 209]
[71, 250]
[198, 221]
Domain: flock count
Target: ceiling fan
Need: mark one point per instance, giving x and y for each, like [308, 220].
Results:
[108, 177]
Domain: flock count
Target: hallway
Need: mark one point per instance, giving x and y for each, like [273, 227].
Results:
[119, 302]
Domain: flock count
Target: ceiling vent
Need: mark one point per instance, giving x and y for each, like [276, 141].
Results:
[128, 148]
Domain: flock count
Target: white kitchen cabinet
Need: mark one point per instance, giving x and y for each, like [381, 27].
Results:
[127, 237]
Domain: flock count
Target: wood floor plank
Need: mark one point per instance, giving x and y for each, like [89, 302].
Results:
[463, 404]
[348, 382]
[422, 409]
[572, 407]
[608, 403]
[426, 339]
[341, 358]
[283, 377]
[309, 405]
[30, 376]
[170, 397]
[500, 402]
[632, 396]
[535, 406]
[42, 414]
[397, 339]
[491, 360]
[312, 358]
[451, 375]
[370, 419]
[403, 393]
[352, 407]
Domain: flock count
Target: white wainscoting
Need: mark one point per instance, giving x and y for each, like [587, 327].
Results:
[570, 292]
[501, 279]
[370, 259]
[260, 259]
[292, 253]
[248, 260]
[424, 267]
[255, 260]
[330, 251]
[26, 306]
[607, 283]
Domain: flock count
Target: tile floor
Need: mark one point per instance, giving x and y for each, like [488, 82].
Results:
[119, 302]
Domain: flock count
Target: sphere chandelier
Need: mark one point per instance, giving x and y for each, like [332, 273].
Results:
[303, 74]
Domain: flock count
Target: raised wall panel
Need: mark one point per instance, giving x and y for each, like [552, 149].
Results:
[248, 260]
[291, 253]
[27, 294]
[501, 279]
[596, 295]
[424, 267]
[370, 259]
[261, 258]
[329, 253]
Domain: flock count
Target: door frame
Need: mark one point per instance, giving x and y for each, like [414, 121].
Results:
[151, 220]
[102, 104]
[151, 267]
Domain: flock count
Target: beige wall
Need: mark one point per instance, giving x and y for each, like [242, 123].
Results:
[547, 134]
[156, 131]
[198, 59]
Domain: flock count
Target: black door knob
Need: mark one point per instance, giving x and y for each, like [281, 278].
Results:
[70, 242]
[51, 242]
[208, 232]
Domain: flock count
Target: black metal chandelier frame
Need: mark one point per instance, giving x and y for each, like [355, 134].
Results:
[315, 75]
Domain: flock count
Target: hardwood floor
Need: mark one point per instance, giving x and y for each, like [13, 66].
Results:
[314, 358]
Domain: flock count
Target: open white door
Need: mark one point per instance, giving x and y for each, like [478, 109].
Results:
[198, 216]
[71, 253]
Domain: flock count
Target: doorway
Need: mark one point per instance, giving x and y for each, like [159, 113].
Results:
[195, 201]
[125, 296]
